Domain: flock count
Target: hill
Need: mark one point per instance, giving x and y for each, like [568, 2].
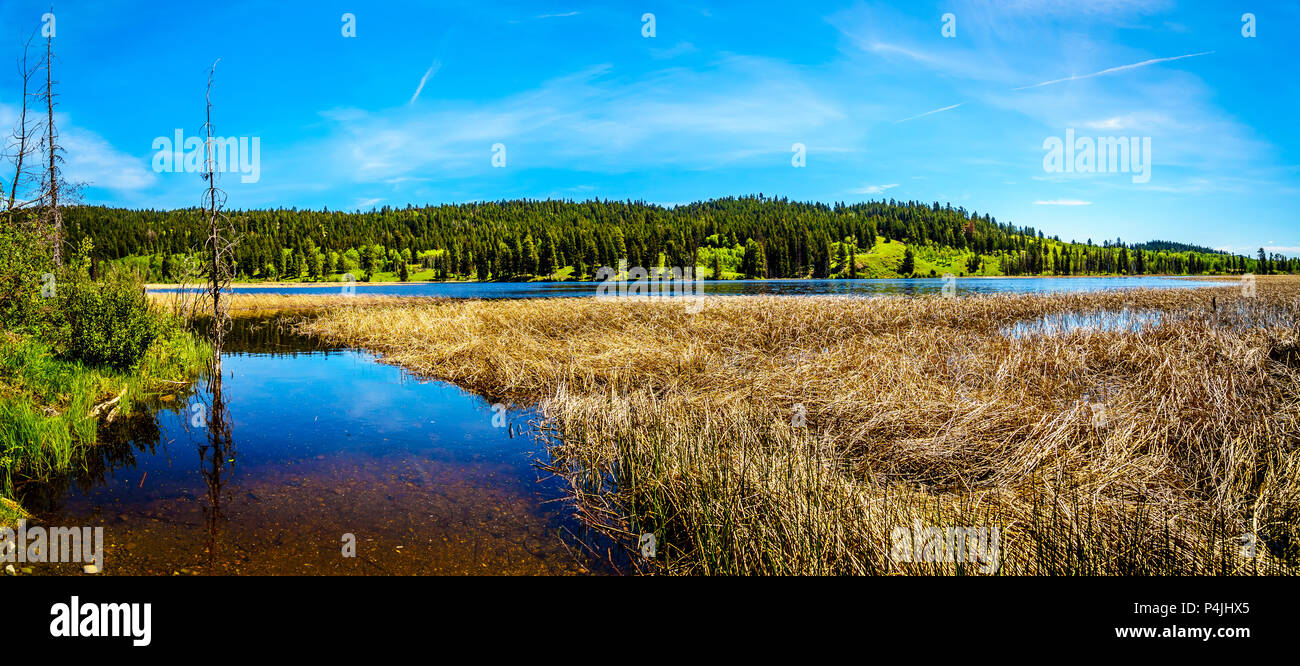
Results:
[753, 236]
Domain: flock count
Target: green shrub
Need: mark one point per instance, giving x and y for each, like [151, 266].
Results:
[103, 322]
[24, 260]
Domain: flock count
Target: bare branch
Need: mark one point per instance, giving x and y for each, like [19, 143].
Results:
[23, 143]
[221, 240]
[52, 219]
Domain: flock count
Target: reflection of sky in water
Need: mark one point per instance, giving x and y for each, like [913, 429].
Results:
[910, 287]
[309, 404]
[295, 408]
[1123, 321]
[323, 441]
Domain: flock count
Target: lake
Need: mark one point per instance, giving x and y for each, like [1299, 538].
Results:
[900, 287]
[428, 478]
[326, 442]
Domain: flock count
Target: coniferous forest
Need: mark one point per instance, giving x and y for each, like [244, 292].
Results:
[745, 237]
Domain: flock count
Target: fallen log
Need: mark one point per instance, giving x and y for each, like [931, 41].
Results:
[107, 404]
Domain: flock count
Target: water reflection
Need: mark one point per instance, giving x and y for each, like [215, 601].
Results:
[801, 287]
[215, 453]
[267, 335]
[1106, 321]
[1236, 315]
[294, 446]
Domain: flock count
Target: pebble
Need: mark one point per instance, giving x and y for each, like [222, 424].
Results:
[10, 570]
[90, 569]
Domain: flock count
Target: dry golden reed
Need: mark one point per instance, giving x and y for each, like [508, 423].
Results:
[798, 435]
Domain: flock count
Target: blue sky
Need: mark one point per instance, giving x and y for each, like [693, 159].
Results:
[586, 106]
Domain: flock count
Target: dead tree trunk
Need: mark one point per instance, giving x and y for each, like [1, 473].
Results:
[23, 144]
[220, 240]
[53, 218]
[220, 243]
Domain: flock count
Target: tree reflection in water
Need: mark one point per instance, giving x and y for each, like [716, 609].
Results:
[216, 452]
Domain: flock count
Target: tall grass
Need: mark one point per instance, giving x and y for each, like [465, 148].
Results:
[796, 435]
[51, 409]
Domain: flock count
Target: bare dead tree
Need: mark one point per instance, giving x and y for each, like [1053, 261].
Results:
[220, 239]
[219, 243]
[52, 220]
[23, 142]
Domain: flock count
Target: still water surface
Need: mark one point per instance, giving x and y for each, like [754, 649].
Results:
[323, 442]
[902, 287]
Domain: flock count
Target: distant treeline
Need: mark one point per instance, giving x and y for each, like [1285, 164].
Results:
[1172, 246]
[758, 236]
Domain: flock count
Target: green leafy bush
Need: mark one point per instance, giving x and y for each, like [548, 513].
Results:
[24, 261]
[107, 321]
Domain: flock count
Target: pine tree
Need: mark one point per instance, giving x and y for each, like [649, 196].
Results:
[547, 260]
[754, 263]
[317, 265]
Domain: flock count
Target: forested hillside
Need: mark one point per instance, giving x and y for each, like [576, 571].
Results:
[755, 237]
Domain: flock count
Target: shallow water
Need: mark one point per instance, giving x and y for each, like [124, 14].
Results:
[323, 442]
[902, 287]
[1120, 321]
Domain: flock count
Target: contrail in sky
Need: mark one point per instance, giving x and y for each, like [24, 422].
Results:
[1112, 70]
[433, 69]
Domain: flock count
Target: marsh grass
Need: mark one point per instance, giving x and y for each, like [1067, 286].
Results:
[796, 435]
[191, 304]
[51, 409]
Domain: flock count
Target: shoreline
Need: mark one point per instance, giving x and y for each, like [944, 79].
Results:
[907, 393]
[153, 286]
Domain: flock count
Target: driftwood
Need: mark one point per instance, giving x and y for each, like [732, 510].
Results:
[107, 404]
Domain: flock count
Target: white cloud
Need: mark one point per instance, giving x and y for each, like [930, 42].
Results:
[94, 161]
[1092, 7]
[88, 158]
[874, 189]
[594, 120]
[1131, 121]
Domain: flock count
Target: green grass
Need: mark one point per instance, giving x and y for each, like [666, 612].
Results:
[47, 404]
[885, 260]
[882, 261]
[11, 512]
